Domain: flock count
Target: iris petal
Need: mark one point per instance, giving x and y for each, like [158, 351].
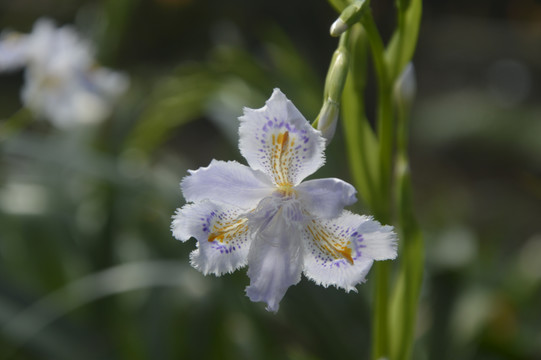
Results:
[222, 236]
[228, 182]
[341, 251]
[274, 261]
[278, 140]
[326, 198]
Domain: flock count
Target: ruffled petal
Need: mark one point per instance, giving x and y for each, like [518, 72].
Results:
[222, 236]
[228, 182]
[326, 198]
[278, 140]
[341, 251]
[275, 260]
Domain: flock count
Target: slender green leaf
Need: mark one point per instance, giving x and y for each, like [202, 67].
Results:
[404, 40]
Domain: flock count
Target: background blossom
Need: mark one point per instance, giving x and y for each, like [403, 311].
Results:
[62, 81]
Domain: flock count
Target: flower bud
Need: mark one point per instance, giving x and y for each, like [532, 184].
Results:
[328, 118]
[349, 16]
[334, 85]
[336, 77]
[406, 86]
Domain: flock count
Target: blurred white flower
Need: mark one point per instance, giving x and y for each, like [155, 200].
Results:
[62, 81]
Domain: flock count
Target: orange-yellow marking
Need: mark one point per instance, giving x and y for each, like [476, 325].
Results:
[228, 231]
[279, 158]
[346, 253]
[282, 139]
[324, 242]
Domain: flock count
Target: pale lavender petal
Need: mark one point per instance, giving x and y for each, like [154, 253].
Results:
[228, 182]
[222, 236]
[278, 140]
[59, 50]
[326, 198]
[274, 261]
[341, 251]
[13, 51]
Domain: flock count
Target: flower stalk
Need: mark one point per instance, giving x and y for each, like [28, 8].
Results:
[379, 164]
[407, 290]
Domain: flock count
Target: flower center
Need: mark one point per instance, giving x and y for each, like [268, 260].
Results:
[287, 192]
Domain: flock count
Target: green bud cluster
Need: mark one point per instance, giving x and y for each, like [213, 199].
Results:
[334, 85]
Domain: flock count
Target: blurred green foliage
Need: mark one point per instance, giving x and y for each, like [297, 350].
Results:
[89, 269]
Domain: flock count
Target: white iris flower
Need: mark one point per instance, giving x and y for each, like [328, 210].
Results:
[263, 216]
[62, 81]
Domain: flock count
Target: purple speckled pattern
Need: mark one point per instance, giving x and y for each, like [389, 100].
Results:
[207, 222]
[278, 140]
[226, 230]
[282, 159]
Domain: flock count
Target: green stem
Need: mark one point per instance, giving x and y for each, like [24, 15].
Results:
[380, 327]
[406, 296]
[382, 211]
[117, 16]
[375, 183]
[407, 291]
[396, 66]
[361, 141]
[384, 120]
[402, 45]
[339, 5]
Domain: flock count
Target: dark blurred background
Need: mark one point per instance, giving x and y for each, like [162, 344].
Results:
[89, 269]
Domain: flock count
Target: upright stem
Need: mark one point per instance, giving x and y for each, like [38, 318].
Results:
[361, 141]
[407, 290]
[382, 209]
[376, 171]
[384, 120]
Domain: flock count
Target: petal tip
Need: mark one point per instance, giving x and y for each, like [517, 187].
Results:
[255, 296]
[277, 93]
